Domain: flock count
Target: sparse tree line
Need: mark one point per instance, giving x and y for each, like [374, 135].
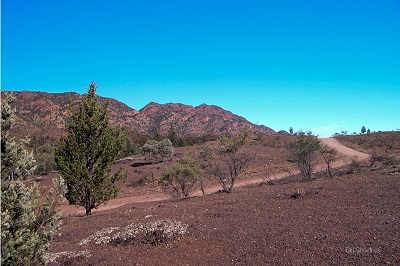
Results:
[363, 131]
[300, 132]
[43, 146]
[84, 158]
[383, 147]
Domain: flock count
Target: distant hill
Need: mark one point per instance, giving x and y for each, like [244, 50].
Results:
[45, 113]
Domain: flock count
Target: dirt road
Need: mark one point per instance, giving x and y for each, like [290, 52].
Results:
[348, 153]
[334, 143]
[68, 210]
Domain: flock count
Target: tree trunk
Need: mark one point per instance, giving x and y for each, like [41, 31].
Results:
[231, 186]
[202, 186]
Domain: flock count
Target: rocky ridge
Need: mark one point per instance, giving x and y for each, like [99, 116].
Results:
[47, 112]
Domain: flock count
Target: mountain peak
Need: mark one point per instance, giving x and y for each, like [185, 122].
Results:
[38, 110]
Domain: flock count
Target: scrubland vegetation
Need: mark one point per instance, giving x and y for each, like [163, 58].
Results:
[384, 146]
[276, 219]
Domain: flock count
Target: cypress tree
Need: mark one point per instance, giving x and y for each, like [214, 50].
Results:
[85, 156]
[363, 130]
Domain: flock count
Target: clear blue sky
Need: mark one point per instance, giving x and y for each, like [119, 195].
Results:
[324, 66]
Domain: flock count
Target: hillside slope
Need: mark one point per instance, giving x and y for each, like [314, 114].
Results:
[46, 113]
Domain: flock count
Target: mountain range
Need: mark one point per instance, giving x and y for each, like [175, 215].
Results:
[46, 113]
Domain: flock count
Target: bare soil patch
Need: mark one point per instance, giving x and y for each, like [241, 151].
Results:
[271, 218]
[349, 220]
[270, 165]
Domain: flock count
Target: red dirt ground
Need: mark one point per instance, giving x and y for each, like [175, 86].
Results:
[141, 184]
[352, 219]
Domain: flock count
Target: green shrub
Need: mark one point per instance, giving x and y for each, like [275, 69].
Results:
[303, 153]
[181, 177]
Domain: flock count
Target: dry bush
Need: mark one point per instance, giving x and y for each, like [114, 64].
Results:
[138, 182]
[352, 166]
[329, 156]
[373, 158]
[386, 160]
[391, 160]
[276, 141]
[153, 233]
[355, 166]
[69, 257]
[298, 194]
[229, 159]
[303, 152]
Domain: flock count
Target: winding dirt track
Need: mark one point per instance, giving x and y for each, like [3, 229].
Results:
[69, 210]
[334, 143]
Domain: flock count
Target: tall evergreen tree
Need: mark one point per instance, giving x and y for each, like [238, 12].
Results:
[363, 130]
[85, 156]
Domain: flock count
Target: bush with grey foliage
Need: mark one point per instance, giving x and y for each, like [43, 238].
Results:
[156, 151]
[28, 221]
